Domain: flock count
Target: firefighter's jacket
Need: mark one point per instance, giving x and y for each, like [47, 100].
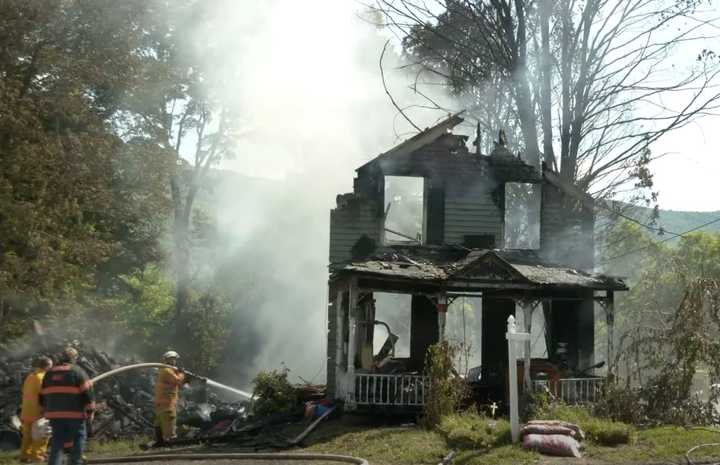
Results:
[167, 387]
[31, 409]
[67, 393]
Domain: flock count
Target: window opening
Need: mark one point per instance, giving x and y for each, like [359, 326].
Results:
[392, 311]
[522, 216]
[404, 210]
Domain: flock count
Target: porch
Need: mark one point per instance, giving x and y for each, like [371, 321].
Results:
[558, 303]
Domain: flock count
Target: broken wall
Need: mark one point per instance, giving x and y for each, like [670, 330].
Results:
[355, 218]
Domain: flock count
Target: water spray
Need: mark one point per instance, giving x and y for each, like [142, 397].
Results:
[136, 366]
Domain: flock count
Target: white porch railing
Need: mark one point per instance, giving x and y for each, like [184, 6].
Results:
[395, 390]
[572, 390]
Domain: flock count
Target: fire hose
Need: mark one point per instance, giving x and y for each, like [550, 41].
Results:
[216, 456]
[163, 365]
[231, 456]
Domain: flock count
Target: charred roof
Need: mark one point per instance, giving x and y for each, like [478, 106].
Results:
[475, 267]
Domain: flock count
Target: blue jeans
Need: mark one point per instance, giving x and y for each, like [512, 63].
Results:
[67, 430]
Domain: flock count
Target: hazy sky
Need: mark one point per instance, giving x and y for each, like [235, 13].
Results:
[313, 91]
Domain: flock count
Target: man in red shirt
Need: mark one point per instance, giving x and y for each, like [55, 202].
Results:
[67, 400]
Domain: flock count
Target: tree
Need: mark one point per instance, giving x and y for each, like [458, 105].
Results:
[658, 283]
[177, 109]
[588, 79]
[65, 211]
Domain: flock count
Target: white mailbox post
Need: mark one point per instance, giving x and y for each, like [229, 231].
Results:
[513, 337]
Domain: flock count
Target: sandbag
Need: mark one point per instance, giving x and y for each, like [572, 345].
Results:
[547, 429]
[553, 444]
[579, 434]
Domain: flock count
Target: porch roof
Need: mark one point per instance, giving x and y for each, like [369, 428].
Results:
[474, 268]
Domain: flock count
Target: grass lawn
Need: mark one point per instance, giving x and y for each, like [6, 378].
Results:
[95, 449]
[410, 445]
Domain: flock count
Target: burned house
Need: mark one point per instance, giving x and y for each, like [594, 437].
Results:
[430, 222]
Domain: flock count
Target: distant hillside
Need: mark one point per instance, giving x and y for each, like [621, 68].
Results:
[678, 221]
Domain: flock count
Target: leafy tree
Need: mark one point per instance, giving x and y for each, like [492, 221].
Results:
[177, 109]
[659, 275]
[66, 67]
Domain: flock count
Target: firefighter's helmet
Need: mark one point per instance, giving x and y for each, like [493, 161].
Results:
[170, 354]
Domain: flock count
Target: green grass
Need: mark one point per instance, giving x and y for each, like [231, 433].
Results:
[472, 431]
[600, 431]
[503, 455]
[661, 444]
[475, 441]
[94, 449]
[387, 445]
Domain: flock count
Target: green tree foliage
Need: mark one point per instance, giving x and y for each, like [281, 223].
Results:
[96, 100]
[66, 212]
[144, 314]
[667, 325]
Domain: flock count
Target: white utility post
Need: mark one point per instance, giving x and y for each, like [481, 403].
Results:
[513, 337]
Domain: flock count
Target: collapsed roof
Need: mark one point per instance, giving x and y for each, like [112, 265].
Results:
[452, 266]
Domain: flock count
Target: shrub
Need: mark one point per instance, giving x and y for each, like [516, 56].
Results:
[468, 430]
[602, 431]
[273, 393]
[446, 390]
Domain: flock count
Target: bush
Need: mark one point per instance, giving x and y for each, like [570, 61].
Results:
[273, 393]
[446, 390]
[602, 431]
[469, 430]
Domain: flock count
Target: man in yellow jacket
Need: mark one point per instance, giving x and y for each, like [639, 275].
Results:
[167, 388]
[31, 411]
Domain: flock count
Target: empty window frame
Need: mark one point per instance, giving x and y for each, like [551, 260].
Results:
[393, 311]
[404, 210]
[522, 216]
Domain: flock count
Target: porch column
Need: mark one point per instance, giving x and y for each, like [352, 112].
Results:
[441, 306]
[513, 337]
[352, 343]
[528, 308]
[340, 328]
[610, 320]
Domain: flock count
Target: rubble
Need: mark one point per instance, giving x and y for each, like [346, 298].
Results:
[125, 404]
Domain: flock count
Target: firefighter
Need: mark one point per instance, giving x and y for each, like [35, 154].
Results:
[68, 401]
[33, 451]
[167, 387]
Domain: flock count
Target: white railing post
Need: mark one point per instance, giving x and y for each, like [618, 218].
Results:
[513, 337]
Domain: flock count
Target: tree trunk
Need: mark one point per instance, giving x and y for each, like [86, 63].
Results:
[546, 102]
[523, 98]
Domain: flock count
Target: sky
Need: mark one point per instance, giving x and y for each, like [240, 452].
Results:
[310, 76]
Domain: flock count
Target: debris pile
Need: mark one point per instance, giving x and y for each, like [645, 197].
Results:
[125, 405]
[124, 402]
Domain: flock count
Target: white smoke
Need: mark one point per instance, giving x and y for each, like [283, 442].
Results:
[308, 86]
